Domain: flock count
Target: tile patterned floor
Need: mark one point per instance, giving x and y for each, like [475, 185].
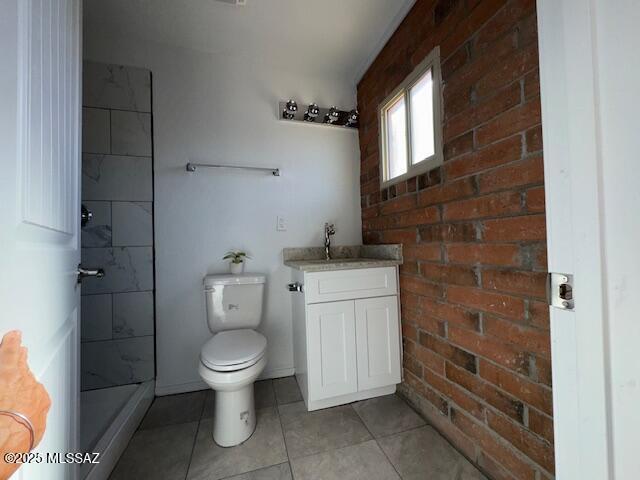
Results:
[377, 439]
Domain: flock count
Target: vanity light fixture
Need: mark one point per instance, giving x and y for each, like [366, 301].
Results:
[312, 112]
[332, 116]
[290, 110]
[352, 118]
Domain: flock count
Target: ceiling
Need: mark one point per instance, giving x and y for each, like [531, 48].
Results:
[335, 37]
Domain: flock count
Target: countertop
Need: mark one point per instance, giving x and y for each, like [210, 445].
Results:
[311, 259]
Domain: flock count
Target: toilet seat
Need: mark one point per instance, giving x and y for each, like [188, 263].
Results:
[233, 350]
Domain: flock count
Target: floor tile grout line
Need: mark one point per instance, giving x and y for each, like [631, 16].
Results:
[273, 383]
[284, 438]
[277, 406]
[335, 449]
[195, 437]
[387, 457]
[193, 448]
[376, 441]
[403, 431]
[437, 430]
[254, 470]
[352, 444]
[424, 424]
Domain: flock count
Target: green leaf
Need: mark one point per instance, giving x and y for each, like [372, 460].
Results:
[235, 256]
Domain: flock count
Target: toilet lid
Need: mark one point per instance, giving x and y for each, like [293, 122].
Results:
[233, 347]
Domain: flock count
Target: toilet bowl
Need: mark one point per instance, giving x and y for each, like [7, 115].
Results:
[229, 363]
[235, 415]
[235, 356]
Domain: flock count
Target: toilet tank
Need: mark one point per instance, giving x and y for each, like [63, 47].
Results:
[234, 301]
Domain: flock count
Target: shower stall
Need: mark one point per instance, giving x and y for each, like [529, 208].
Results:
[117, 310]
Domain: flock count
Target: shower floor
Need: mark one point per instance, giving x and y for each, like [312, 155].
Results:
[98, 409]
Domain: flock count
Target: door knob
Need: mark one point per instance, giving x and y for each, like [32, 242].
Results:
[89, 272]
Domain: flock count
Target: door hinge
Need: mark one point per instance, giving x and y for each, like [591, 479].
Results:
[560, 290]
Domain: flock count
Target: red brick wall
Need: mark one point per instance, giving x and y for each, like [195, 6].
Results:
[475, 323]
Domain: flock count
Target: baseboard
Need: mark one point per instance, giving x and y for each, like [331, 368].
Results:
[277, 373]
[162, 390]
[117, 436]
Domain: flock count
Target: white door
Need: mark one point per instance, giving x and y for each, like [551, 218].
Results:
[331, 343]
[39, 205]
[377, 342]
[590, 78]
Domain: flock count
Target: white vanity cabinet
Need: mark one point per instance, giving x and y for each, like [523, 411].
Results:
[346, 329]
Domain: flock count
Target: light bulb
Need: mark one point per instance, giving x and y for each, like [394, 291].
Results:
[332, 116]
[352, 118]
[290, 110]
[311, 113]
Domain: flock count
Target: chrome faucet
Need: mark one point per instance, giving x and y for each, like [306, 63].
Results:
[329, 229]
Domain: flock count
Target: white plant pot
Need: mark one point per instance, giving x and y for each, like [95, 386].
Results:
[236, 268]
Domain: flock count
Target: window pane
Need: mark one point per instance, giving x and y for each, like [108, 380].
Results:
[422, 133]
[396, 121]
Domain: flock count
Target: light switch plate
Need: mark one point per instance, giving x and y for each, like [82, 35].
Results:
[281, 224]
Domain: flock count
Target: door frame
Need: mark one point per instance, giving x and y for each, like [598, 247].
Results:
[585, 158]
[571, 162]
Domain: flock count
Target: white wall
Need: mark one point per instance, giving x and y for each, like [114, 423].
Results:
[221, 109]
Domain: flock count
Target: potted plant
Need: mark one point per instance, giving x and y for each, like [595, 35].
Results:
[237, 257]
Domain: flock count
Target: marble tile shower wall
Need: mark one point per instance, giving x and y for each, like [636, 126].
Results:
[117, 186]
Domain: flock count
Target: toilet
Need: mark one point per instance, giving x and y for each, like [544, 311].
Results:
[232, 360]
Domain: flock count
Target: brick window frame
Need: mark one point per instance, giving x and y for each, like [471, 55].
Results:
[430, 62]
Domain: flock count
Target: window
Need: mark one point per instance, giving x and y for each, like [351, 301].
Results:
[410, 124]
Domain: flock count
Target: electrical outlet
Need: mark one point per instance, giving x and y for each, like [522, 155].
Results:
[281, 224]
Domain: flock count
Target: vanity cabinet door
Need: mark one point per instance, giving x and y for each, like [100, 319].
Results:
[331, 343]
[378, 342]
